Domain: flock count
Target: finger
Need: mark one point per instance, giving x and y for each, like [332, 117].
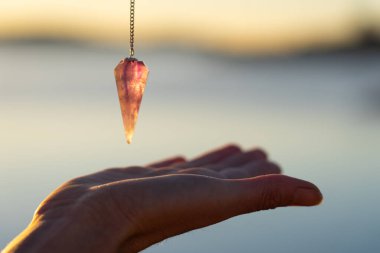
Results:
[187, 203]
[200, 171]
[112, 175]
[212, 157]
[241, 159]
[168, 162]
[118, 174]
[271, 191]
[252, 169]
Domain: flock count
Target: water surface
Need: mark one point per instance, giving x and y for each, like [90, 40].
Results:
[318, 116]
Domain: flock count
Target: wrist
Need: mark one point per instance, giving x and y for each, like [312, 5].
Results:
[62, 235]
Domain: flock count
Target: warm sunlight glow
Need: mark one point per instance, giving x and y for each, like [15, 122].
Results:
[241, 26]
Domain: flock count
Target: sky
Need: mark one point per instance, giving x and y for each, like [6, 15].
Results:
[234, 26]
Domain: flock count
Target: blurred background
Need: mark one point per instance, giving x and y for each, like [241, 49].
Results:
[299, 78]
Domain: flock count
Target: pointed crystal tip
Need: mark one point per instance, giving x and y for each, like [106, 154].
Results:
[128, 137]
[130, 75]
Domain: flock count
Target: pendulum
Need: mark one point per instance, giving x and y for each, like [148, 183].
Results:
[131, 75]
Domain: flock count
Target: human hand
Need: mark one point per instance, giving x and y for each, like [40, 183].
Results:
[128, 209]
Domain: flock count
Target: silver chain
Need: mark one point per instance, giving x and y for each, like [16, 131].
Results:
[132, 29]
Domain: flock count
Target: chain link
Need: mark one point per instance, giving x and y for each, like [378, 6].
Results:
[132, 29]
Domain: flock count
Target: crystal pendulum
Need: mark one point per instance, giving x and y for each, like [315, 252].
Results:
[130, 75]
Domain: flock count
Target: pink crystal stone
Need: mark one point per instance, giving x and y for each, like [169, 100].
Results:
[131, 76]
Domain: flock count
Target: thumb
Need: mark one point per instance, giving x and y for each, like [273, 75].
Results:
[271, 191]
[181, 203]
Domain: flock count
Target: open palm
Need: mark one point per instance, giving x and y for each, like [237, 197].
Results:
[129, 209]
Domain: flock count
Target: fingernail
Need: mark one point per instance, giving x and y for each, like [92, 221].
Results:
[307, 197]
